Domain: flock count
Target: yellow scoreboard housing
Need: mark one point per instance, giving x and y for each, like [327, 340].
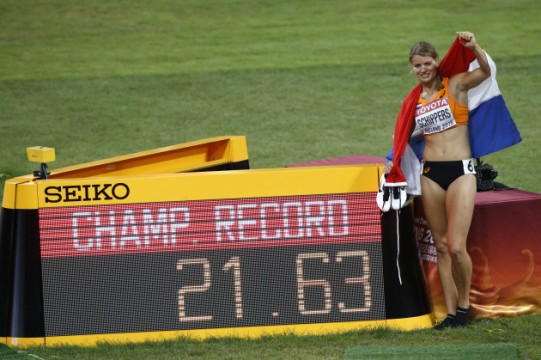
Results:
[161, 244]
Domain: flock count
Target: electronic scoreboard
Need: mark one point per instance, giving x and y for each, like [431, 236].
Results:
[218, 253]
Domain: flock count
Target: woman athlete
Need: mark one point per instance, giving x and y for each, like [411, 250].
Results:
[448, 178]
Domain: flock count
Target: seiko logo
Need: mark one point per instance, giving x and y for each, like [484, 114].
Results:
[72, 193]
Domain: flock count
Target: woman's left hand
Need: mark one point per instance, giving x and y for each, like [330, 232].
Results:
[467, 38]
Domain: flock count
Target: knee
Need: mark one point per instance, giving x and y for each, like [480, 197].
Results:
[458, 253]
[442, 247]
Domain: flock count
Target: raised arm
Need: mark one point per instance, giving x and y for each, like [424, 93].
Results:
[465, 81]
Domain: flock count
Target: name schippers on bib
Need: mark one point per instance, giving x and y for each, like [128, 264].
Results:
[434, 117]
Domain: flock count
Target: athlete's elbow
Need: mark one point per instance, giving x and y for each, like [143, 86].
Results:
[485, 75]
[486, 71]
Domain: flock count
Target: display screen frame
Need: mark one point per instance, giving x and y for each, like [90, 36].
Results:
[334, 239]
[236, 187]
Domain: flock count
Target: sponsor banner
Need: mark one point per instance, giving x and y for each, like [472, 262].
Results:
[504, 244]
[203, 185]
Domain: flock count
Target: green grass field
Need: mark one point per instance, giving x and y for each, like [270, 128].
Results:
[303, 80]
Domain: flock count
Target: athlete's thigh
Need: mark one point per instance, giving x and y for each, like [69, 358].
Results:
[460, 202]
[434, 208]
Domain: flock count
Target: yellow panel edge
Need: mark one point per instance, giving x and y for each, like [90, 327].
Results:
[208, 185]
[238, 149]
[140, 163]
[20, 193]
[255, 332]
[25, 342]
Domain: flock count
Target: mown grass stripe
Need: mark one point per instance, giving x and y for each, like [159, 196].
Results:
[500, 351]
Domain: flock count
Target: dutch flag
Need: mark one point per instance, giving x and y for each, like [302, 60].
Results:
[491, 126]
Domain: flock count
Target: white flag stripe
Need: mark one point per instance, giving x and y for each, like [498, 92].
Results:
[487, 90]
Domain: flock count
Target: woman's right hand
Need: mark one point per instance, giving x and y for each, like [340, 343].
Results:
[387, 167]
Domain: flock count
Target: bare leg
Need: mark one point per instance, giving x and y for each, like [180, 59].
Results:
[460, 202]
[434, 198]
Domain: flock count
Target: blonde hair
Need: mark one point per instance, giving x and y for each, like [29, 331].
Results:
[423, 48]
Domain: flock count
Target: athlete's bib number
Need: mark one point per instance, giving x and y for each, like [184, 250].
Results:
[435, 116]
